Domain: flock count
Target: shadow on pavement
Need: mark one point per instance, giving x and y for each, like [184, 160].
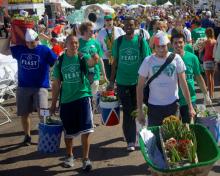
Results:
[98, 152]
[8, 148]
[117, 170]
[19, 133]
[31, 170]
[216, 169]
[33, 156]
[108, 171]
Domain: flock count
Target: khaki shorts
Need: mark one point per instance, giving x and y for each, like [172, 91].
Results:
[30, 99]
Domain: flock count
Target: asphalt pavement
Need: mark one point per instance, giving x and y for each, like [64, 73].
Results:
[108, 150]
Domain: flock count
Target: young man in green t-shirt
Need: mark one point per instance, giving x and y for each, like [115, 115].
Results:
[198, 31]
[75, 104]
[192, 71]
[89, 45]
[127, 59]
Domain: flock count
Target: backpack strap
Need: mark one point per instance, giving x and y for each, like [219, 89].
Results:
[119, 41]
[83, 68]
[60, 60]
[140, 41]
[167, 62]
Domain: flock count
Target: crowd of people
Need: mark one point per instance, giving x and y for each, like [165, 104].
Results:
[172, 47]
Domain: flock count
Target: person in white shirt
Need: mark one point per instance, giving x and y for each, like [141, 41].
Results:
[106, 37]
[179, 25]
[143, 32]
[163, 96]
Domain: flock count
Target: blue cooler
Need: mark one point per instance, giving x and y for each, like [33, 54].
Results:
[49, 137]
[110, 113]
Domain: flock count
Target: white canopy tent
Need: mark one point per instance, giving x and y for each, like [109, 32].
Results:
[65, 4]
[132, 6]
[124, 5]
[167, 4]
[105, 7]
[148, 5]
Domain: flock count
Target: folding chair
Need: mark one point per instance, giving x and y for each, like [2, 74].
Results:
[9, 80]
[5, 90]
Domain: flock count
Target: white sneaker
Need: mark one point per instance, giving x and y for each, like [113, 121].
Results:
[87, 165]
[69, 162]
[131, 147]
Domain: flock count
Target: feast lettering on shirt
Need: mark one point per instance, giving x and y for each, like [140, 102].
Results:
[189, 73]
[30, 61]
[129, 56]
[169, 70]
[71, 73]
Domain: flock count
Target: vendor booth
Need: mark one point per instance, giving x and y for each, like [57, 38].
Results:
[32, 6]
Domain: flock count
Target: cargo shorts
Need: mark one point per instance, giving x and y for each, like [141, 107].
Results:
[30, 99]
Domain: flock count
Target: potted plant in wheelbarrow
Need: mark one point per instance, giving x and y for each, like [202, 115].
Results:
[184, 149]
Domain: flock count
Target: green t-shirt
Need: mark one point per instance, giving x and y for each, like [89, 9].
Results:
[45, 42]
[129, 59]
[188, 47]
[192, 68]
[151, 33]
[198, 33]
[90, 47]
[73, 87]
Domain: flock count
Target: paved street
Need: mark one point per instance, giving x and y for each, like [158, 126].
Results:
[108, 151]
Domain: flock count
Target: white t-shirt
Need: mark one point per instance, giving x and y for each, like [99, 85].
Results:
[145, 32]
[164, 88]
[187, 34]
[102, 35]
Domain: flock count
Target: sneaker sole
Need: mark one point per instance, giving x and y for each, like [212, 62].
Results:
[25, 144]
[67, 166]
[88, 168]
[130, 149]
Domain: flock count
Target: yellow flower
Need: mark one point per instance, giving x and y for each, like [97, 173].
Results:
[171, 118]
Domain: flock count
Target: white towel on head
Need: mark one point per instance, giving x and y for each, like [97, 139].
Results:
[161, 38]
[30, 35]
